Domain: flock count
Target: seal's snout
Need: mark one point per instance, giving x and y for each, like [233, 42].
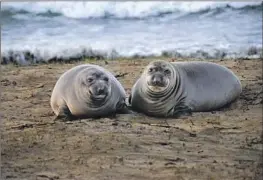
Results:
[157, 80]
[101, 91]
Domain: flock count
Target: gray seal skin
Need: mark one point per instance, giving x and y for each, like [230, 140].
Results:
[171, 89]
[87, 91]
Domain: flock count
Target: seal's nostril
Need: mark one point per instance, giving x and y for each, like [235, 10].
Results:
[101, 91]
[154, 80]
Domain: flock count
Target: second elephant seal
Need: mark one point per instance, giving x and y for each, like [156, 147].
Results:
[87, 91]
[169, 89]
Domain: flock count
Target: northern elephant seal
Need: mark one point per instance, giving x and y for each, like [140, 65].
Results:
[87, 91]
[169, 89]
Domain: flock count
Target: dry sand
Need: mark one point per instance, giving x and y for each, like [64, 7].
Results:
[224, 144]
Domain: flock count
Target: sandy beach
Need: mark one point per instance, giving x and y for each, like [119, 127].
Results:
[224, 144]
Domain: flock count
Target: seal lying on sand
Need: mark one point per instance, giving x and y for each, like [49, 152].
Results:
[169, 89]
[87, 91]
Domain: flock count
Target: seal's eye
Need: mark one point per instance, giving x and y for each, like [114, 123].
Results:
[90, 80]
[167, 71]
[150, 70]
[106, 79]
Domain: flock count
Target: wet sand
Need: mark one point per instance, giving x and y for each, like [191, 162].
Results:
[223, 144]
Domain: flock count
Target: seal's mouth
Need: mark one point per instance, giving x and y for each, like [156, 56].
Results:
[98, 95]
[98, 98]
[158, 86]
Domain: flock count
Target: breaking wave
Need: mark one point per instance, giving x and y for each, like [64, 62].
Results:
[119, 10]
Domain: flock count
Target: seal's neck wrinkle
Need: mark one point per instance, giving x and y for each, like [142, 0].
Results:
[165, 101]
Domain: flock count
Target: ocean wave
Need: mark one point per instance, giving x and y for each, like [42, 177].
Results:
[27, 57]
[119, 10]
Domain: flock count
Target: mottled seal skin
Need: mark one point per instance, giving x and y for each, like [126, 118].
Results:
[87, 91]
[171, 89]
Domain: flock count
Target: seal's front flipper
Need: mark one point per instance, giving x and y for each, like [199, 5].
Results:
[63, 118]
[185, 113]
[64, 114]
[179, 111]
[122, 108]
[125, 110]
[182, 111]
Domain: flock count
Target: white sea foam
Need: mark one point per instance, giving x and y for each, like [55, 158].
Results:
[128, 9]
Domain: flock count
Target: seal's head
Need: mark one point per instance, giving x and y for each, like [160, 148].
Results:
[158, 75]
[96, 84]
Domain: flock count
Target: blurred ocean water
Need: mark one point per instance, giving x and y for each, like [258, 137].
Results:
[43, 31]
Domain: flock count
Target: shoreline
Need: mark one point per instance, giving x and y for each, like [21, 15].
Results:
[29, 58]
[148, 58]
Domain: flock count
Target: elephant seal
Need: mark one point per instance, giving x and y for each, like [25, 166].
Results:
[87, 91]
[171, 89]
